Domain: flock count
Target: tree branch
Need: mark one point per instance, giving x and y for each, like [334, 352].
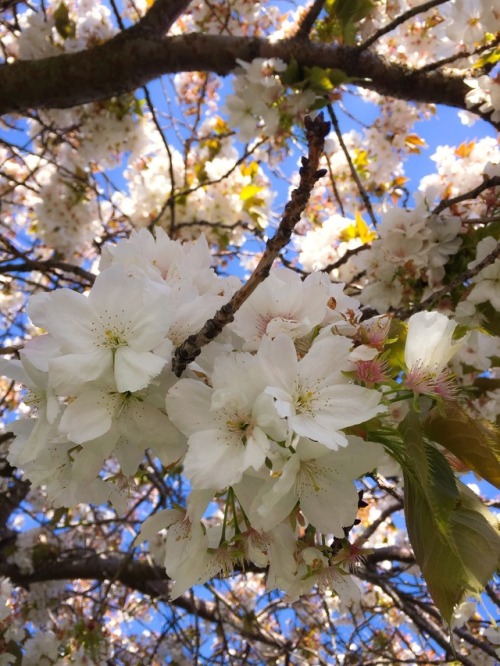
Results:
[362, 192]
[129, 61]
[145, 578]
[421, 620]
[316, 132]
[414, 11]
[159, 18]
[488, 183]
[307, 23]
[459, 281]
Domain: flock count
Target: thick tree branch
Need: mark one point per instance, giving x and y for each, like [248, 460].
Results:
[129, 61]
[141, 576]
[153, 581]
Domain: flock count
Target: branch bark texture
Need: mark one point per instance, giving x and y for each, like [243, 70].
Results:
[136, 56]
[316, 132]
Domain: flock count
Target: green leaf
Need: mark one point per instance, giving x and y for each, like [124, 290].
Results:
[395, 344]
[338, 77]
[475, 531]
[138, 106]
[490, 319]
[320, 103]
[461, 565]
[475, 442]
[454, 537]
[59, 514]
[292, 74]
[491, 229]
[439, 563]
[488, 58]
[431, 472]
[352, 10]
[318, 79]
[12, 648]
[345, 15]
[64, 25]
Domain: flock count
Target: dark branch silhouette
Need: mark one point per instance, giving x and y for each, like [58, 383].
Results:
[131, 59]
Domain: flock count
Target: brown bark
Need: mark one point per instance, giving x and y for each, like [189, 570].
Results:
[316, 132]
[136, 56]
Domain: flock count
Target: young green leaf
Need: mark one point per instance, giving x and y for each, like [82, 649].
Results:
[431, 472]
[462, 563]
[454, 537]
[346, 14]
[475, 442]
[64, 25]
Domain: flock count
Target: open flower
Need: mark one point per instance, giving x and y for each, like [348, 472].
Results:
[321, 482]
[230, 426]
[314, 569]
[283, 303]
[114, 330]
[314, 394]
[124, 424]
[429, 347]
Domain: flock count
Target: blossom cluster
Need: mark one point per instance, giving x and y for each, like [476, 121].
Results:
[259, 105]
[269, 416]
[414, 254]
[455, 27]
[238, 17]
[209, 189]
[260, 451]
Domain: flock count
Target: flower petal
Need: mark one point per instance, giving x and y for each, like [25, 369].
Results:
[214, 460]
[134, 370]
[89, 416]
[68, 373]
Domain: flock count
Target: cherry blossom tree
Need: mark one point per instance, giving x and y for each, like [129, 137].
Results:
[250, 363]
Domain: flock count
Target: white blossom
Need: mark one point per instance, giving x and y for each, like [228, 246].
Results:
[113, 331]
[313, 393]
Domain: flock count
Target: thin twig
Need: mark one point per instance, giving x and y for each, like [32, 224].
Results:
[373, 527]
[316, 131]
[180, 194]
[352, 168]
[334, 188]
[419, 9]
[424, 623]
[117, 14]
[310, 17]
[29, 265]
[458, 56]
[388, 487]
[468, 275]
[159, 18]
[345, 258]
[170, 203]
[494, 181]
